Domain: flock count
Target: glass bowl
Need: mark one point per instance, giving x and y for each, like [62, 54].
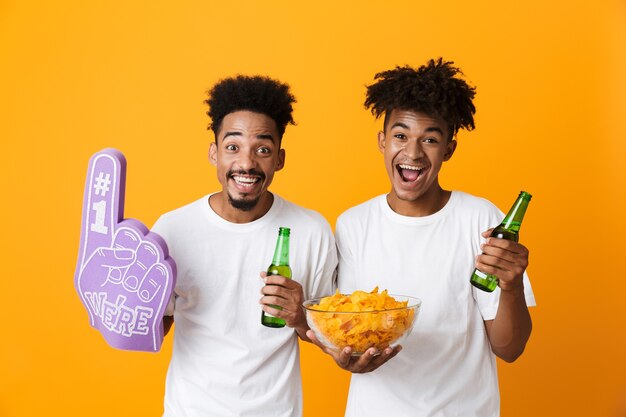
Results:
[362, 330]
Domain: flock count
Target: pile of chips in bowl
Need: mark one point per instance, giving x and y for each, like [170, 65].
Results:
[362, 320]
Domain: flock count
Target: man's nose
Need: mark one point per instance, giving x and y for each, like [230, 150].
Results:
[413, 149]
[247, 160]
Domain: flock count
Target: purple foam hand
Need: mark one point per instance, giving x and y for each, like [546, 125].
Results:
[124, 275]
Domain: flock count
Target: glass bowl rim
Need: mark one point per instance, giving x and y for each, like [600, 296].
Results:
[414, 303]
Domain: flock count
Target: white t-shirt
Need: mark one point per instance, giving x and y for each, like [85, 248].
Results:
[224, 362]
[446, 367]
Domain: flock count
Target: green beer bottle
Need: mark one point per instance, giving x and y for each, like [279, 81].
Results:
[279, 266]
[508, 230]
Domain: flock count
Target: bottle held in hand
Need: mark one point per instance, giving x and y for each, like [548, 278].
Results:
[509, 230]
[279, 266]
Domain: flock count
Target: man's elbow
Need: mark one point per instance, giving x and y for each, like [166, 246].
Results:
[510, 356]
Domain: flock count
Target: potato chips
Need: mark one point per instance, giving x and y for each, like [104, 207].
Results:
[360, 320]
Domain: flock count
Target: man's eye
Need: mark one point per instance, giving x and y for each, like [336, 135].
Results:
[431, 140]
[263, 150]
[399, 136]
[231, 147]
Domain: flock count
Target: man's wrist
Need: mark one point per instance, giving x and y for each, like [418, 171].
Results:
[301, 331]
[515, 287]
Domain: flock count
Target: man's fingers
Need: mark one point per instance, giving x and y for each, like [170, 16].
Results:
[509, 246]
[370, 360]
[103, 202]
[272, 300]
[366, 357]
[311, 335]
[381, 359]
[494, 255]
[344, 358]
[277, 280]
[271, 289]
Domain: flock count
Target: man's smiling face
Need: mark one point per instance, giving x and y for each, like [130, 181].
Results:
[246, 153]
[414, 146]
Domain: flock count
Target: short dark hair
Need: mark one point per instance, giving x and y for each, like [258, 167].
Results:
[257, 94]
[433, 89]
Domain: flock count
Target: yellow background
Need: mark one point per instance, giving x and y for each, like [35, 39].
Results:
[79, 76]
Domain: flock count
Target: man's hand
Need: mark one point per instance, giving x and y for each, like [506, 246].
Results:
[124, 276]
[505, 259]
[367, 362]
[288, 294]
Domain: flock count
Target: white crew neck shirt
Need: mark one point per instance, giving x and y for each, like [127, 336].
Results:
[224, 362]
[446, 367]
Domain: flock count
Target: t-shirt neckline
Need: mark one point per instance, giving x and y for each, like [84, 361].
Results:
[219, 221]
[410, 220]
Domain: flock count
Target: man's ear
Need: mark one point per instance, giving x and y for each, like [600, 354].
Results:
[213, 154]
[381, 141]
[281, 160]
[450, 147]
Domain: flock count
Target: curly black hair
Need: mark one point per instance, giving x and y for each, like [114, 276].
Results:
[433, 89]
[257, 93]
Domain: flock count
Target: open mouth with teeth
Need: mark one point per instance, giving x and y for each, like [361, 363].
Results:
[245, 181]
[409, 173]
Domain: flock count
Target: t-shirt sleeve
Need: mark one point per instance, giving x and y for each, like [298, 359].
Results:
[488, 301]
[322, 283]
[346, 270]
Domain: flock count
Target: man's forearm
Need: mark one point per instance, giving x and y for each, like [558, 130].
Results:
[511, 328]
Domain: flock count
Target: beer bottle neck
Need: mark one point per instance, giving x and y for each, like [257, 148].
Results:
[513, 219]
[281, 254]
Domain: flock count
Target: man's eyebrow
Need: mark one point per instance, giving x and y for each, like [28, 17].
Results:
[267, 136]
[427, 130]
[232, 134]
[434, 129]
[399, 124]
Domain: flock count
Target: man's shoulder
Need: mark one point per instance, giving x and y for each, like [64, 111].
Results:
[362, 210]
[471, 203]
[184, 213]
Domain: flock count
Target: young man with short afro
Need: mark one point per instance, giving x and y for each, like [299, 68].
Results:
[224, 362]
[424, 241]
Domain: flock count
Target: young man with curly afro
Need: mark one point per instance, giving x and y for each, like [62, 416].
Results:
[224, 362]
[422, 240]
